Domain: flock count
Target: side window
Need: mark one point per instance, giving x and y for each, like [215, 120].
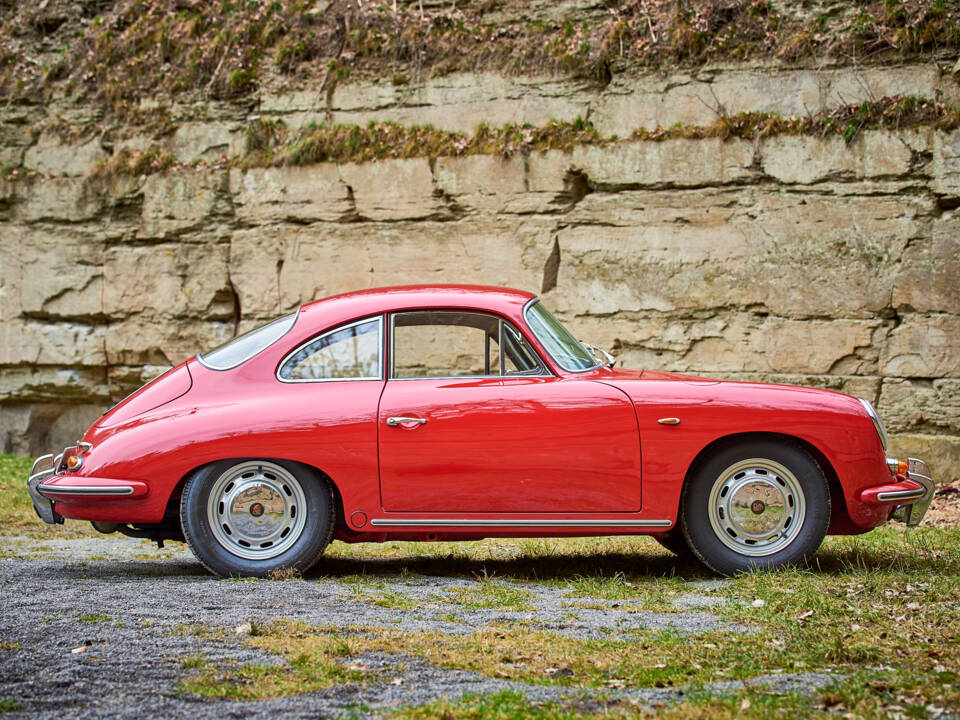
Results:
[347, 353]
[458, 344]
[518, 357]
[445, 344]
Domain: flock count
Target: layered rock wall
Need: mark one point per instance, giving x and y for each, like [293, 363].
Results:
[789, 258]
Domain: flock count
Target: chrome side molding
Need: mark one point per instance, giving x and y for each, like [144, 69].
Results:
[533, 523]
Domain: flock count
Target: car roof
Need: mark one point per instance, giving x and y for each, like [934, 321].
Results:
[412, 297]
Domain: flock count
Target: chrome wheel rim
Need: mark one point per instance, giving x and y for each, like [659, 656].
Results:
[757, 507]
[257, 510]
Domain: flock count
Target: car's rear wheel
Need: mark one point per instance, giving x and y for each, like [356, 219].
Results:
[256, 517]
[760, 504]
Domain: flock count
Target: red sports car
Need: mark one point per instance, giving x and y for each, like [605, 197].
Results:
[462, 412]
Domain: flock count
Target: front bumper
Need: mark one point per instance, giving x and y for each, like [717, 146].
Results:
[910, 491]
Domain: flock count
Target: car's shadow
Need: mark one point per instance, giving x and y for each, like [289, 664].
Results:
[551, 567]
[632, 566]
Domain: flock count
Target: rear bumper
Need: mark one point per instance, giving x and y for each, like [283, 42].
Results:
[47, 484]
[909, 491]
[43, 506]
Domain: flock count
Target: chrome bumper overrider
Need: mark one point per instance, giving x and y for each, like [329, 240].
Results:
[42, 505]
[913, 513]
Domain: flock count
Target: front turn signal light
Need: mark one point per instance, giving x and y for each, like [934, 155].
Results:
[74, 462]
[898, 467]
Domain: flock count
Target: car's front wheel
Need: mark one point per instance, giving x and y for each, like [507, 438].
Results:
[256, 517]
[760, 504]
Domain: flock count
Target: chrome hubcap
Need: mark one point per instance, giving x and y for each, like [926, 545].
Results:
[257, 510]
[757, 507]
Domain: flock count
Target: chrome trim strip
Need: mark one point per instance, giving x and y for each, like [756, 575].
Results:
[338, 328]
[104, 490]
[895, 495]
[85, 447]
[460, 522]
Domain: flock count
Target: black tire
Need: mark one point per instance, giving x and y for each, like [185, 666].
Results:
[755, 505]
[676, 543]
[291, 510]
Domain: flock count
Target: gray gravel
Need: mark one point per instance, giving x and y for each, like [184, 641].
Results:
[131, 662]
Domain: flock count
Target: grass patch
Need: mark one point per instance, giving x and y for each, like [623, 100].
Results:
[878, 612]
[314, 664]
[97, 618]
[513, 705]
[377, 593]
[17, 516]
[488, 594]
[8, 704]
[194, 662]
[196, 630]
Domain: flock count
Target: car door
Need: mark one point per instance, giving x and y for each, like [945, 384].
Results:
[464, 428]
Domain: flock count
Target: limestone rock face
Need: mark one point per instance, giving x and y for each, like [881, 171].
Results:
[174, 204]
[809, 159]
[53, 156]
[797, 259]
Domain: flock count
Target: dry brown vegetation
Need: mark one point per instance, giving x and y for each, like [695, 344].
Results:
[127, 51]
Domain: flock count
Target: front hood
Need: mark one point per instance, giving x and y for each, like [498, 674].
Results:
[656, 386]
[628, 374]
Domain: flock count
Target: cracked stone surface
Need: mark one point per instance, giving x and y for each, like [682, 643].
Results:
[127, 607]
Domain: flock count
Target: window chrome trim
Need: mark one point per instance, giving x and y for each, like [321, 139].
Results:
[526, 308]
[296, 316]
[379, 376]
[544, 370]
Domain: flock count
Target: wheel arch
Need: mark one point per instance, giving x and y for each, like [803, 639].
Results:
[173, 501]
[839, 518]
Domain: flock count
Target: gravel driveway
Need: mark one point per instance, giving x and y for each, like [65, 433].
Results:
[95, 628]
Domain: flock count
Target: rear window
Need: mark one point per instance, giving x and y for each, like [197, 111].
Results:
[241, 349]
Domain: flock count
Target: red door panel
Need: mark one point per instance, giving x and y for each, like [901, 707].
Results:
[514, 445]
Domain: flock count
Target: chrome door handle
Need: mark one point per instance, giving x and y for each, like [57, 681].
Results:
[394, 421]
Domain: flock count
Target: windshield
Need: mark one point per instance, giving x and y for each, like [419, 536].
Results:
[242, 348]
[557, 340]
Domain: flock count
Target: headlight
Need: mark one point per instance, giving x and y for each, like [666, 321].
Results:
[877, 422]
